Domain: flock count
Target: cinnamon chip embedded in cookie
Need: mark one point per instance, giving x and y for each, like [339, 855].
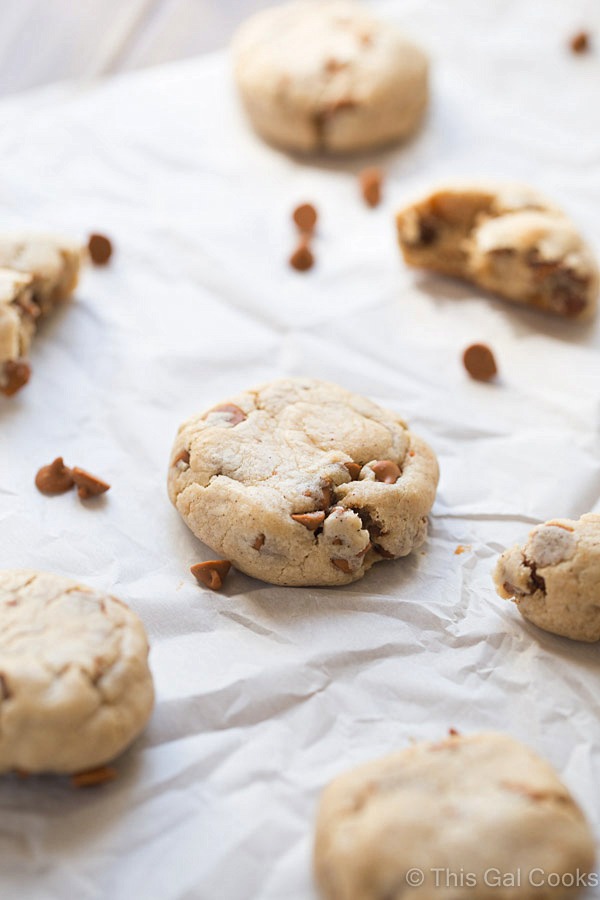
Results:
[507, 239]
[314, 486]
[554, 578]
[481, 806]
[76, 685]
[329, 77]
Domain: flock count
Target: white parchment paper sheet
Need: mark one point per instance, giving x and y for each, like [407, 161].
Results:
[266, 693]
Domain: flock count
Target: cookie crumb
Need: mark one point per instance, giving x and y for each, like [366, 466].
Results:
[370, 181]
[462, 548]
[94, 777]
[100, 249]
[302, 258]
[211, 573]
[580, 42]
[305, 216]
[55, 478]
[479, 362]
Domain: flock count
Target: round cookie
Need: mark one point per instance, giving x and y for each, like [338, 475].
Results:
[555, 577]
[75, 688]
[300, 482]
[477, 806]
[324, 75]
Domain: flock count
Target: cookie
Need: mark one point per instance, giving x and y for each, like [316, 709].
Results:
[36, 273]
[300, 482]
[75, 687]
[480, 806]
[328, 76]
[554, 578]
[507, 239]
[18, 313]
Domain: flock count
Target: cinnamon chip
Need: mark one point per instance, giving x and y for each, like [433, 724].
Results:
[211, 573]
[236, 415]
[100, 249]
[87, 484]
[353, 470]
[310, 520]
[386, 470]
[305, 217]
[370, 184]
[479, 362]
[94, 777]
[183, 456]
[342, 564]
[580, 42]
[55, 478]
[302, 258]
[15, 374]
[259, 542]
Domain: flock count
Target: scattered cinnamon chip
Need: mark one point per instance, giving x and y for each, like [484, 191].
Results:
[479, 362]
[453, 732]
[386, 470]
[580, 42]
[310, 520]
[55, 478]
[211, 573]
[100, 249]
[259, 542]
[94, 777]
[370, 184]
[305, 217]
[302, 258]
[15, 375]
[88, 485]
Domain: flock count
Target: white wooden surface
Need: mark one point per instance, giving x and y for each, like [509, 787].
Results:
[42, 41]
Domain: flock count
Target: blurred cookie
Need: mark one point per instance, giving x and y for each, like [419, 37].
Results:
[554, 578]
[75, 688]
[328, 76]
[300, 482]
[37, 272]
[484, 806]
[507, 239]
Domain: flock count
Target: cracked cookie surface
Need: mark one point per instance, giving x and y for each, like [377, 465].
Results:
[328, 76]
[482, 802]
[507, 239]
[300, 482]
[554, 578]
[75, 687]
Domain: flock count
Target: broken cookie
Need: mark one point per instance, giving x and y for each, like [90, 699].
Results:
[554, 578]
[36, 273]
[310, 485]
[506, 239]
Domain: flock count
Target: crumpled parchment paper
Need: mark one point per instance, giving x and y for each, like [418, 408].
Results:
[265, 693]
